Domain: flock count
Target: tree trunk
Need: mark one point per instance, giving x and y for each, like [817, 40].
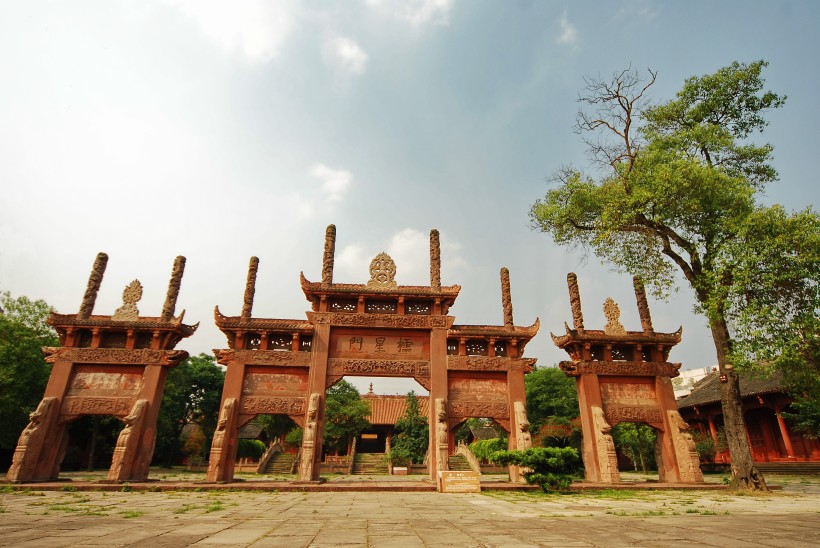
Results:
[745, 474]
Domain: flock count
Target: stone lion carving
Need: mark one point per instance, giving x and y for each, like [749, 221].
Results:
[522, 436]
[128, 442]
[30, 443]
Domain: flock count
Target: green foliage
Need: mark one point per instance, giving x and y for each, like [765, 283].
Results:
[678, 192]
[400, 456]
[552, 468]
[294, 437]
[345, 415]
[550, 393]
[483, 449]
[637, 441]
[193, 391]
[250, 449]
[780, 282]
[412, 433]
[23, 372]
[560, 432]
[275, 426]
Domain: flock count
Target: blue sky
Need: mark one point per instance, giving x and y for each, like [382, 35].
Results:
[224, 130]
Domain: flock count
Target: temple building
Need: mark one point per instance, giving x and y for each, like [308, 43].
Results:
[770, 436]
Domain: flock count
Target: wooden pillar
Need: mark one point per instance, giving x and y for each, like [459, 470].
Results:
[784, 433]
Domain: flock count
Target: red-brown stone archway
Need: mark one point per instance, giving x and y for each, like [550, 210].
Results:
[375, 329]
[624, 376]
[106, 365]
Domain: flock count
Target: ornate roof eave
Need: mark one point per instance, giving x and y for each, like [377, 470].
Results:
[259, 324]
[63, 321]
[598, 336]
[500, 331]
[449, 292]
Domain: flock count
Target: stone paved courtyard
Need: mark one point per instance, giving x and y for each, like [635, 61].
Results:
[789, 517]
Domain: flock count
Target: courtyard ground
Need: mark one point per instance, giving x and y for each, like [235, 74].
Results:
[787, 517]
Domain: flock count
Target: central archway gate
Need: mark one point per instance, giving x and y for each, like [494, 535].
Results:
[377, 329]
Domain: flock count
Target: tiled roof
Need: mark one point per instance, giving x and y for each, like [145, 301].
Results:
[707, 390]
[389, 409]
[484, 432]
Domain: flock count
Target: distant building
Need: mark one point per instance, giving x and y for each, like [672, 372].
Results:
[770, 436]
[688, 378]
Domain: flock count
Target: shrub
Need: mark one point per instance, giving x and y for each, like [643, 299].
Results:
[294, 437]
[483, 449]
[552, 468]
[250, 449]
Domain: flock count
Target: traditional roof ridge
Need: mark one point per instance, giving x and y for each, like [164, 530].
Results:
[707, 390]
[99, 320]
[260, 323]
[594, 335]
[423, 290]
[498, 330]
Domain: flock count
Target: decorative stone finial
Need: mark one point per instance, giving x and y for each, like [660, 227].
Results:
[613, 313]
[382, 271]
[130, 296]
[94, 281]
[330, 251]
[643, 305]
[506, 297]
[575, 301]
[173, 289]
[250, 287]
[435, 260]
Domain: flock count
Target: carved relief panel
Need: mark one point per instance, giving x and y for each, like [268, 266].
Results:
[478, 396]
[630, 400]
[266, 391]
[95, 392]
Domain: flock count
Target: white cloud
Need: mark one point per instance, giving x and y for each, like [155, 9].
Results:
[255, 28]
[416, 12]
[346, 53]
[569, 34]
[335, 182]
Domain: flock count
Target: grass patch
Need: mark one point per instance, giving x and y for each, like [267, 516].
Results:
[68, 489]
[131, 514]
[187, 508]
[214, 506]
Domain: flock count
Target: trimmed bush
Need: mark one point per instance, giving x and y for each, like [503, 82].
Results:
[552, 468]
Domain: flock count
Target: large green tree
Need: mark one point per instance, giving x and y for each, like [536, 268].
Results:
[345, 415]
[23, 372]
[674, 192]
[412, 432]
[550, 394]
[193, 391]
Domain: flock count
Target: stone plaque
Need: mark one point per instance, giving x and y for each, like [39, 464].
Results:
[91, 382]
[403, 346]
[459, 481]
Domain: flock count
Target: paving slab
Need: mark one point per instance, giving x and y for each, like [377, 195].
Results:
[156, 519]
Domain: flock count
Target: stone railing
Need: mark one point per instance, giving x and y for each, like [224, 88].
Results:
[352, 457]
[272, 449]
[465, 452]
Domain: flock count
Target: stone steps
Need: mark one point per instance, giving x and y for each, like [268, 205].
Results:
[369, 463]
[280, 463]
[812, 468]
[459, 462]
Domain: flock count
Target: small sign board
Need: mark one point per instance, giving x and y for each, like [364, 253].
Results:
[459, 481]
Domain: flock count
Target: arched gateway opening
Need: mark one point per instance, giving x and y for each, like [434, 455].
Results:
[377, 329]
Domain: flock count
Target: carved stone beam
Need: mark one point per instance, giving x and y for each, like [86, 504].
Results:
[435, 260]
[575, 302]
[643, 305]
[250, 288]
[173, 289]
[330, 251]
[506, 297]
[94, 281]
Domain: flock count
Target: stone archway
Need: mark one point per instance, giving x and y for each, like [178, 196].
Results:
[625, 376]
[377, 329]
[107, 365]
